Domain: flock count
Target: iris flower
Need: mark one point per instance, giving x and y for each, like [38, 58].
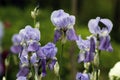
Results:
[101, 28]
[64, 25]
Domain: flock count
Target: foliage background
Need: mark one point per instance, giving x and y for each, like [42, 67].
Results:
[15, 14]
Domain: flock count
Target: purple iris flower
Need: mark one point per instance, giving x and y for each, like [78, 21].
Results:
[105, 44]
[49, 50]
[21, 78]
[27, 40]
[16, 39]
[30, 33]
[23, 71]
[64, 25]
[33, 58]
[87, 49]
[51, 65]
[24, 57]
[102, 31]
[43, 65]
[47, 54]
[33, 46]
[82, 76]
[95, 28]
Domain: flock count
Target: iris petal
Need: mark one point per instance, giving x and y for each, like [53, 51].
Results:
[71, 35]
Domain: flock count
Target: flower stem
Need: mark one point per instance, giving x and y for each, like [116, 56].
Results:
[61, 56]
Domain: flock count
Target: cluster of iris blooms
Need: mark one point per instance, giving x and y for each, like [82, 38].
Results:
[35, 57]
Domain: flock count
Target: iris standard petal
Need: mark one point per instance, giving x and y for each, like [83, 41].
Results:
[16, 39]
[93, 25]
[61, 19]
[108, 24]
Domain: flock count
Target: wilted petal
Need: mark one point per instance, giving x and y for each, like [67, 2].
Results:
[71, 35]
[57, 35]
[82, 76]
[105, 44]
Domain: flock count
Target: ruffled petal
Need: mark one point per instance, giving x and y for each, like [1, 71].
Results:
[93, 25]
[61, 19]
[33, 46]
[108, 24]
[40, 54]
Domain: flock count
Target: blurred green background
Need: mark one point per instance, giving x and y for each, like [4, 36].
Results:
[15, 14]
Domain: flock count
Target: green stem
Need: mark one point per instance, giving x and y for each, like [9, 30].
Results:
[61, 55]
[97, 68]
[34, 22]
